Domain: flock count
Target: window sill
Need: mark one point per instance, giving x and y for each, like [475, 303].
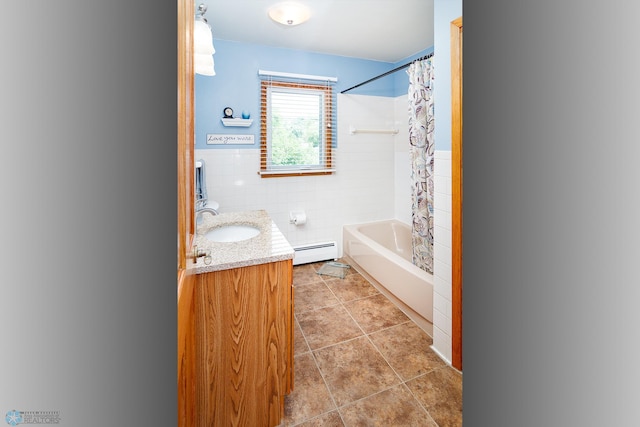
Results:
[295, 172]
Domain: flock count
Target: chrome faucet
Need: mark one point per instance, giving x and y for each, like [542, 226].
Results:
[201, 210]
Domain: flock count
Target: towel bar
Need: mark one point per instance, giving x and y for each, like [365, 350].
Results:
[353, 130]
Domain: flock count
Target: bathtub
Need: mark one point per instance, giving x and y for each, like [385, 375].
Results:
[382, 250]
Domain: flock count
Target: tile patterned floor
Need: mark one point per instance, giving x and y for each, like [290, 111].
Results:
[360, 361]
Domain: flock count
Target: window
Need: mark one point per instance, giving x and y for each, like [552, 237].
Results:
[297, 131]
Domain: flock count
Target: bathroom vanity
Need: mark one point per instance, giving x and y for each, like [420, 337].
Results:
[243, 322]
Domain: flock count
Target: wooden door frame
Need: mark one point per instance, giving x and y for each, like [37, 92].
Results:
[186, 369]
[456, 192]
[185, 138]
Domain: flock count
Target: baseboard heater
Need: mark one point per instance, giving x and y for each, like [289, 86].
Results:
[315, 252]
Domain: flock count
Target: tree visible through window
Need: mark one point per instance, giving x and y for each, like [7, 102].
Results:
[296, 129]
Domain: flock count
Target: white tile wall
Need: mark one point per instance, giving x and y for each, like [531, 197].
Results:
[361, 190]
[372, 182]
[442, 255]
[402, 184]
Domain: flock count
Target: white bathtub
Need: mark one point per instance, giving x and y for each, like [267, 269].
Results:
[383, 250]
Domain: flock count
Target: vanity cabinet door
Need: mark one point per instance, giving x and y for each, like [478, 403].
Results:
[243, 325]
[291, 337]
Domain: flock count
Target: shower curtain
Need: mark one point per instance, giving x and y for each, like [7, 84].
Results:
[421, 153]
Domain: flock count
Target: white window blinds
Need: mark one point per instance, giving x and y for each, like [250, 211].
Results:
[298, 125]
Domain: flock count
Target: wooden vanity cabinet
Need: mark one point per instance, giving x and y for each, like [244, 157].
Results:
[244, 345]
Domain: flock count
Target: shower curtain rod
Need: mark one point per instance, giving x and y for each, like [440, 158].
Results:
[389, 72]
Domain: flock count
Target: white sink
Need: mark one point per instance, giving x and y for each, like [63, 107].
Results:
[232, 233]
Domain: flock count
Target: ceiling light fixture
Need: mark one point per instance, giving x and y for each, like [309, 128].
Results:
[289, 13]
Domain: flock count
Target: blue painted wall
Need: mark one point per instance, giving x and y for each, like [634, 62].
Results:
[444, 12]
[237, 85]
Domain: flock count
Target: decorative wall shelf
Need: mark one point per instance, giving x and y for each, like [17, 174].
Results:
[237, 122]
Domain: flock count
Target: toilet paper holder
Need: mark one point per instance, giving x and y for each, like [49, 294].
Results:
[297, 218]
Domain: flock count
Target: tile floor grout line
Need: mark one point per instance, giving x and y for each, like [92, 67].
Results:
[383, 357]
[402, 382]
[419, 402]
[304, 337]
[348, 340]
[389, 363]
[364, 333]
[341, 303]
[326, 384]
[426, 372]
[315, 361]
[315, 417]
[378, 286]
[318, 308]
[393, 326]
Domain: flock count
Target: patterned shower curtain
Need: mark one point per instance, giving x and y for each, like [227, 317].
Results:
[421, 152]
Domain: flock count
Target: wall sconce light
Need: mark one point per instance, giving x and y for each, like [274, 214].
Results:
[289, 13]
[203, 44]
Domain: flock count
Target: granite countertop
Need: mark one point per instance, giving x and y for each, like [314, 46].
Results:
[268, 246]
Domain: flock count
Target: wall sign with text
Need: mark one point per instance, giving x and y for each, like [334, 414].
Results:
[217, 139]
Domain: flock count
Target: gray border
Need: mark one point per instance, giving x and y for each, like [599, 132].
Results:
[89, 218]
